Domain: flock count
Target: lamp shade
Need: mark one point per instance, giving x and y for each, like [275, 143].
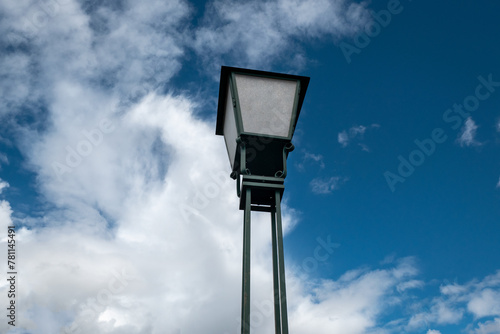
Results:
[258, 105]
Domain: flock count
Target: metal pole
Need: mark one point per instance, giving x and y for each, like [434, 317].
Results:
[277, 313]
[281, 264]
[245, 300]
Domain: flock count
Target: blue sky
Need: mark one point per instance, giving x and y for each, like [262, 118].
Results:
[127, 220]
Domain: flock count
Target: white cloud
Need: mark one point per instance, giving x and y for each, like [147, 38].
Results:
[477, 298]
[322, 186]
[3, 159]
[127, 49]
[343, 138]
[315, 157]
[364, 147]
[446, 312]
[260, 32]
[441, 311]
[355, 130]
[355, 133]
[498, 184]
[488, 327]
[433, 331]
[5, 213]
[413, 284]
[310, 158]
[485, 303]
[352, 303]
[3, 185]
[453, 289]
[112, 200]
[467, 136]
[325, 185]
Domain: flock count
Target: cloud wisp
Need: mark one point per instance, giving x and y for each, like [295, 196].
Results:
[345, 137]
[467, 136]
[321, 185]
[3, 185]
[262, 33]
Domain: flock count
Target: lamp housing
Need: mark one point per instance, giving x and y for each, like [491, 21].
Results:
[257, 114]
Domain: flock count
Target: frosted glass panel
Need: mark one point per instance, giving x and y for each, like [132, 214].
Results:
[230, 128]
[266, 104]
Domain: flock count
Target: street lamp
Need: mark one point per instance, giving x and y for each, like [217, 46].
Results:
[257, 114]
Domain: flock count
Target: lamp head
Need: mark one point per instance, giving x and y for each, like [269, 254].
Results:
[258, 111]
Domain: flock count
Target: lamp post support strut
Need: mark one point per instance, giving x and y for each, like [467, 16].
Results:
[279, 285]
[245, 300]
[276, 282]
[281, 265]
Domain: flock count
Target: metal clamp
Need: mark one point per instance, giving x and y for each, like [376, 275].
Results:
[286, 149]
